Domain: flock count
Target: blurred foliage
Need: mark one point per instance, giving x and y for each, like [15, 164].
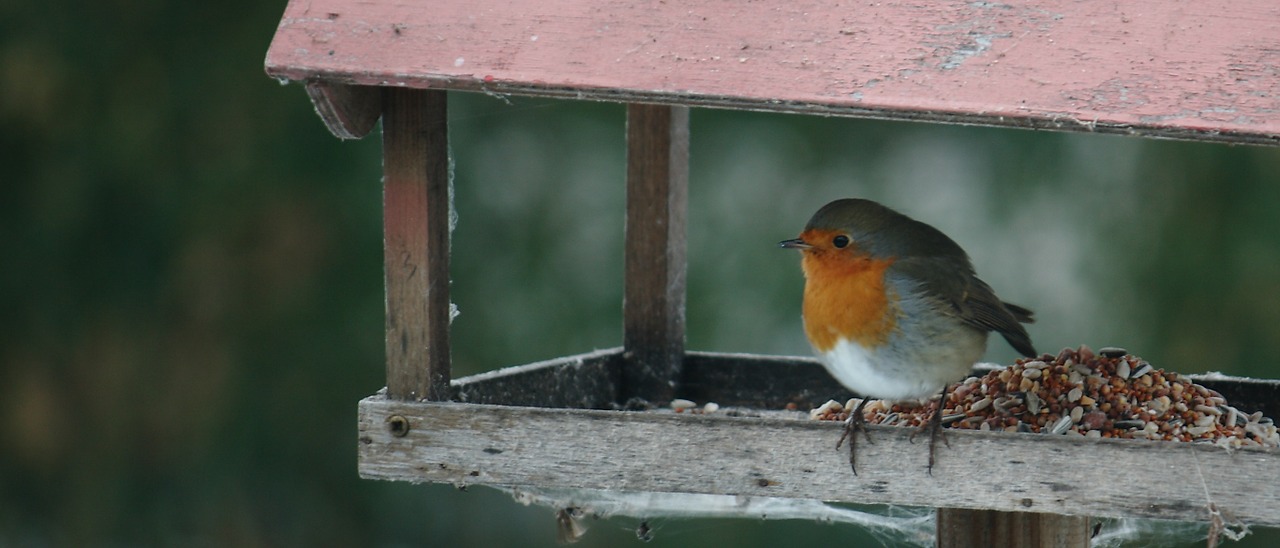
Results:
[193, 296]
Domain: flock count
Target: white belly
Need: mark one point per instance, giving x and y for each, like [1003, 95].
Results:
[905, 369]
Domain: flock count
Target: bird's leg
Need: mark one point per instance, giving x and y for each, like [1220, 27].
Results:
[854, 424]
[934, 427]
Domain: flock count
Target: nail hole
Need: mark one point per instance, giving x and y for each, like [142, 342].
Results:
[398, 425]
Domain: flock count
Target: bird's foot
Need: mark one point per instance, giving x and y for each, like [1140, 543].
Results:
[934, 428]
[854, 424]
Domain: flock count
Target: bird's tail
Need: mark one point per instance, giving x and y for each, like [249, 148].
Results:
[1018, 338]
[1021, 314]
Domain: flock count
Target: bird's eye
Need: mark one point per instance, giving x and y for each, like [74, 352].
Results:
[840, 241]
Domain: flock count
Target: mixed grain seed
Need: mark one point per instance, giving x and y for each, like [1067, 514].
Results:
[1107, 394]
[688, 406]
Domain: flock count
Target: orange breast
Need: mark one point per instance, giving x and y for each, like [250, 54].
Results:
[844, 297]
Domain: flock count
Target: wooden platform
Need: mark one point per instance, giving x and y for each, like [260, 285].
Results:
[549, 425]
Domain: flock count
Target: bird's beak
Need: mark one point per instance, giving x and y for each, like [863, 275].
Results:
[794, 244]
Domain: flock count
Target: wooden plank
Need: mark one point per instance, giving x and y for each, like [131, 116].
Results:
[585, 381]
[415, 164]
[654, 296]
[760, 382]
[961, 528]
[742, 380]
[350, 112]
[1206, 70]
[788, 455]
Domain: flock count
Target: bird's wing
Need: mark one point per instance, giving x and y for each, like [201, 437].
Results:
[951, 280]
[987, 311]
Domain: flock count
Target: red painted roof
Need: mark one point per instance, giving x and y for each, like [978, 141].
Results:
[1204, 69]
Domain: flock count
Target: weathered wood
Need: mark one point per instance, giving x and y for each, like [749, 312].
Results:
[739, 380]
[585, 381]
[1206, 70]
[350, 112]
[784, 454]
[415, 164]
[760, 382]
[962, 528]
[657, 200]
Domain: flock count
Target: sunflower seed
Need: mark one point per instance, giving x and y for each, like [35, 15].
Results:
[1143, 369]
[1009, 402]
[1198, 430]
[681, 405]
[1113, 352]
[1207, 409]
[1122, 369]
[1074, 394]
[1061, 426]
[1235, 417]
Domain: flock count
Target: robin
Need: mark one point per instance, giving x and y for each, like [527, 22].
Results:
[893, 308]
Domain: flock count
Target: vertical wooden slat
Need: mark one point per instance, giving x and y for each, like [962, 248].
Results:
[959, 528]
[415, 204]
[657, 200]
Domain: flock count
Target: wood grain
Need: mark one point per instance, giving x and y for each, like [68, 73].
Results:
[788, 455]
[654, 294]
[739, 380]
[584, 381]
[415, 158]
[1206, 70]
[350, 112]
[965, 528]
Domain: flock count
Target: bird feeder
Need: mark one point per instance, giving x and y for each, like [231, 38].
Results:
[1208, 71]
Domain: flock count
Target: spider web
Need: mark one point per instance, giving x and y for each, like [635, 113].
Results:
[891, 525]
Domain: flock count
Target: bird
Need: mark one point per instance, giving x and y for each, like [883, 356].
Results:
[894, 309]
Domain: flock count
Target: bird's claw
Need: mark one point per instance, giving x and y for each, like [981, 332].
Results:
[934, 427]
[856, 422]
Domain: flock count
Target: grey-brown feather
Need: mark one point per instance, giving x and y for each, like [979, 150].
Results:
[930, 258]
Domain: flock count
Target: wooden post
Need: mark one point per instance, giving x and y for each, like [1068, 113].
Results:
[657, 199]
[415, 205]
[959, 528]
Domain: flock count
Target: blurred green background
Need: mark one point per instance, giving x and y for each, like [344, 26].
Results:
[192, 273]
